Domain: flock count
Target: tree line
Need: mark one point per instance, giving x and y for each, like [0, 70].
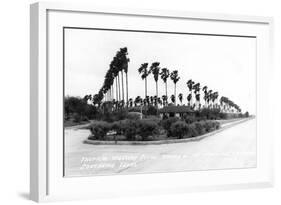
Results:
[115, 91]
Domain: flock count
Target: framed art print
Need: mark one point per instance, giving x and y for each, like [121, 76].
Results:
[127, 102]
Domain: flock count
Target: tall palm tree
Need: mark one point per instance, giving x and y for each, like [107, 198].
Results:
[214, 98]
[144, 73]
[196, 88]
[209, 97]
[165, 73]
[205, 90]
[130, 102]
[175, 78]
[114, 71]
[86, 98]
[189, 84]
[189, 99]
[125, 61]
[164, 100]
[137, 100]
[123, 66]
[180, 97]
[154, 69]
[173, 99]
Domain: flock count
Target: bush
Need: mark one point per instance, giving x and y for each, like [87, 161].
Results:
[134, 115]
[211, 125]
[216, 125]
[179, 129]
[166, 124]
[189, 119]
[118, 127]
[209, 114]
[131, 130]
[114, 116]
[76, 118]
[147, 128]
[151, 110]
[99, 130]
[200, 127]
[192, 131]
[84, 118]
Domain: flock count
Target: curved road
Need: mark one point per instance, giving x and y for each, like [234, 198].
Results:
[234, 147]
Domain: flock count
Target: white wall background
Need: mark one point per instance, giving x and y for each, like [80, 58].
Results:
[14, 103]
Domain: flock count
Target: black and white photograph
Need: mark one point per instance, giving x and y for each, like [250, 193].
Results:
[139, 102]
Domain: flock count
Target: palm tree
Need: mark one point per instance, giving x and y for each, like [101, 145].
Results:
[209, 96]
[205, 90]
[130, 102]
[114, 71]
[173, 99]
[160, 101]
[175, 78]
[197, 97]
[165, 73]
[215, 97]
[144, 73]
[151, 100]
[147, 99]
[155, 100]
[125, 68]
[137, 100]
[189, 84]
[164, 99]
[180, 97]
[189, 99]
[196, 88]
[154, 69]
[222, 103]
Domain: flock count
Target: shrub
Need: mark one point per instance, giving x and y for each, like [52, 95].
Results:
[189, 118]
[217, 125]
[147, 128]
[99, 130]
[179, 129]
[76, 117]
[210, 114]
[151, 110]
[131, 130]
[84, 118]
[211, 125]
[167, 123]
[192, 131]
[134, 115]
[117, 126]
[200, 127]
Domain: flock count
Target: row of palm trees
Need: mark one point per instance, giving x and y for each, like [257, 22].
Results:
[113, 90]
[155, 70]
[228, 105]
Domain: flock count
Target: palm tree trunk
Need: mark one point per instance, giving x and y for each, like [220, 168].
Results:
[116, 87]
[166, 89]
[145, 87]
[156, 89]
[175, 94]
[127, 89]
[123, 98]
[111, 94]
[157, 95]
[119, 90]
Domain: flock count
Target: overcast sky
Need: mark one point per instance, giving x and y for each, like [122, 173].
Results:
[224, 64]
